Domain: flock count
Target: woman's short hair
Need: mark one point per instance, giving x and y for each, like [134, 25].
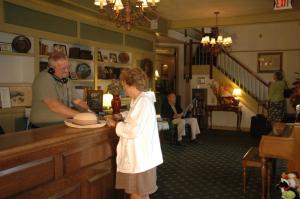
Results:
[55, 56]
[135, 77]
[278, 75]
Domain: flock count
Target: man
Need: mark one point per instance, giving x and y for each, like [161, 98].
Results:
[54, 96]
[174, 112]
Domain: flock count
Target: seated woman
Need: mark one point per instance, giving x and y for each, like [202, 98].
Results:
[174, 113]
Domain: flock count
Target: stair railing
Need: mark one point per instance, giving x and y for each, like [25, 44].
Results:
[242, 76]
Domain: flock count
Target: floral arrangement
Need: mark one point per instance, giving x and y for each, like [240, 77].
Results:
[115, 88]
[219, 90]
[222, 93]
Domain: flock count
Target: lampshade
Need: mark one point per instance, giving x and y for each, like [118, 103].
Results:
[100, 3]
[107, 100]
[236, 92]
[118, 5]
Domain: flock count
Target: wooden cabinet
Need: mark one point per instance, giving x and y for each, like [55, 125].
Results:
[58, 162]
[199, 97]
[8, 118]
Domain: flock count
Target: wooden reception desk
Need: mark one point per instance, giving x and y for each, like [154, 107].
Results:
[58, 162]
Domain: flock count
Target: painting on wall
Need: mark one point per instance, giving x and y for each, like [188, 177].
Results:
[20, 95]
[269, 62]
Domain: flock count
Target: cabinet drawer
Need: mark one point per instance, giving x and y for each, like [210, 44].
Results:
[77, 159]
[25, 176]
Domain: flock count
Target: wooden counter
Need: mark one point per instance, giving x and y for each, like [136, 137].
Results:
[58, 162]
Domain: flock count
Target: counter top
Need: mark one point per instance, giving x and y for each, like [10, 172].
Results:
[18, 142]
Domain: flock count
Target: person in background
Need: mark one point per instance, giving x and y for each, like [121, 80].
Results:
[174, 113]
[54, 97]
[138, 150]
[277, 108]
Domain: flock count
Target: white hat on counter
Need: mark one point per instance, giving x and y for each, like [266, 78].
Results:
[85, 120]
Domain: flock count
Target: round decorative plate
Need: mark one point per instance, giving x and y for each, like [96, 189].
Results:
[21, 44]
[83, 70]
[123, 58]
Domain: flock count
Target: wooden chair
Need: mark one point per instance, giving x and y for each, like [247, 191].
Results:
[252, 159]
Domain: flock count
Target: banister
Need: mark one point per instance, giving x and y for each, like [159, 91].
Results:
[244, 67]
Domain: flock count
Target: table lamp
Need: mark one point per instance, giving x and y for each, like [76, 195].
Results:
[107, 97]
[236, 93]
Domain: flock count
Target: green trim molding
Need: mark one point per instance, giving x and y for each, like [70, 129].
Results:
[100, 34]
[21, 16]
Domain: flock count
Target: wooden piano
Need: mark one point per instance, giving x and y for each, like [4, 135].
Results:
[284, 146]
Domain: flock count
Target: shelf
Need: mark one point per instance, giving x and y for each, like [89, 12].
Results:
[70, 59]
[80, 60]
[83, 80]
[16, 54]
[114, 64]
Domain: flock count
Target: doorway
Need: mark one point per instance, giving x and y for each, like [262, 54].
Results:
[166, 68]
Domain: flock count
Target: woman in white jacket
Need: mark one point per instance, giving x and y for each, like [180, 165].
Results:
[138, 150]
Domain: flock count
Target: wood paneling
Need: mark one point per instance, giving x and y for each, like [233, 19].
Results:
[58, 162]
[26, 176]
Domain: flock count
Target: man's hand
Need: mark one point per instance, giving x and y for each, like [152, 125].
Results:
[175, 116]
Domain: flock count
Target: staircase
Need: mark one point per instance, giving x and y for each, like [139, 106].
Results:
[237, 72]
[242, 76]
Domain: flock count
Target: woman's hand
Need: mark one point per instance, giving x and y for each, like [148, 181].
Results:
[110, 122]
[117, 117]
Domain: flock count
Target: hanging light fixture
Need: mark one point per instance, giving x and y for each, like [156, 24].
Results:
[216, 42]
[125, 13]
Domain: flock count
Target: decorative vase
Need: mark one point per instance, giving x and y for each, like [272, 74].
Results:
[116, 104]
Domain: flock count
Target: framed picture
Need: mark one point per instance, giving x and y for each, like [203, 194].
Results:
[113, 57]
[201, 80]
[269, 62]
[6, 47]
[164, 70]
[4, 97]
[100, 58]
[60, 48]
[105, 58]
[94, 100]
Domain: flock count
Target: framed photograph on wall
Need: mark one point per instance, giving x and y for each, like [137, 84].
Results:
[269, 62]
[100, 58]
[113, 57]
[94, 100]
[60, 48]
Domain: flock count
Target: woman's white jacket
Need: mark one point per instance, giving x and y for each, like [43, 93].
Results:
[139, 148]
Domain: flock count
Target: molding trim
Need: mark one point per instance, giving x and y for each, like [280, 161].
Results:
[281, 16]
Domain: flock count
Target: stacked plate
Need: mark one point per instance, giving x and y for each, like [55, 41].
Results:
[21, 44]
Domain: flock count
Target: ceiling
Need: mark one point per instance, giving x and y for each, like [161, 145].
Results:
[203, 9]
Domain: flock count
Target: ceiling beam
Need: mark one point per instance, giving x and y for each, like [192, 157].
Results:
[280, 16]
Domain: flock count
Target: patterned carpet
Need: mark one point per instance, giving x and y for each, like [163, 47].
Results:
[210, 169]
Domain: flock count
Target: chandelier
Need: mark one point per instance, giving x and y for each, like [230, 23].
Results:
[216, 42]
[125, 13]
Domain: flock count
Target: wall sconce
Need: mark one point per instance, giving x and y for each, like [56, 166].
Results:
[237, 93]
[107, 100]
